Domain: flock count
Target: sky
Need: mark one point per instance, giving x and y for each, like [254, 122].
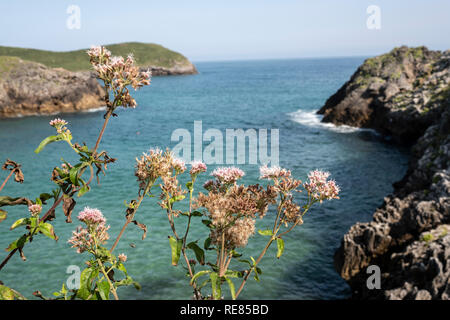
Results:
[204, 30]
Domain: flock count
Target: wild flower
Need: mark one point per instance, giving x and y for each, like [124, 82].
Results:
[233, 213]
[197, 167]
[320, 188]
[273, 172]
[122, 257]
[59, 125]
[178, 165]
[153, 165]
[171, 191]
[228, 175]
[94, 235]
[119, 73]
[35, 209]
[91, 216]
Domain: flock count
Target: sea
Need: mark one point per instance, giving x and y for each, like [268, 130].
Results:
[281, 95]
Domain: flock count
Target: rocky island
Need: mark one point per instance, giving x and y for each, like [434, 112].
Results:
[30, 88]
[38, 82]
[405, 96]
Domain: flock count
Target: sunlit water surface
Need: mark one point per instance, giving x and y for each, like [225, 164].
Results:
[257, 94]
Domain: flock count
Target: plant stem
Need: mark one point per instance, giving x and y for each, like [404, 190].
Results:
[105, 123]
[130, 217]
[109, 281]
[274, 236]
[254, 266]
[6, 180]
[44, 218]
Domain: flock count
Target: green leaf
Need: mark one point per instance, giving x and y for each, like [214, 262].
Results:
[103, 289]
[199, 274]
[175, 245]
[265, 232]
[196, 214]
[85, 188]
[234, 274]
[47, 230]
[280, 245]
[86, 283]
[199, 253]
[136, 285]
[207, 244]
[215, 285]
[208, 223]
[122, 268]
[128, 281]
[245, 261]
[73, 173]
[47, 141]
[177, 198]
[235, 254]
[8, 201]
[3, 215]
[189, 185]
[6, 293]
[19, 243]
[232, 289]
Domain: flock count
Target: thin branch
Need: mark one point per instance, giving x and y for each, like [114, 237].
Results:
[6, 180]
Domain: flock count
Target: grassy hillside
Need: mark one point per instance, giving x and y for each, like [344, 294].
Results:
[146, 54]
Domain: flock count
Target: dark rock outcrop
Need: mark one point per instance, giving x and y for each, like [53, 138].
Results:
[412, 107]
[399, 93]
[181, 69]
[30, 88]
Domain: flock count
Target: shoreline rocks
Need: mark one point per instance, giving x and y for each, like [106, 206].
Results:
[29, 88]
[404, 94]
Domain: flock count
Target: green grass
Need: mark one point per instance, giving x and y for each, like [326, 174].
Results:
[7, 64]
[146, 54]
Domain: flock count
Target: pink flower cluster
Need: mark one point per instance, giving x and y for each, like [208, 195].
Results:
[96, 233]
[228, 175]
[81, 239]
[59, 125]
[91, 216]
[97, 53]
[58, 122]
[320, 188]
[122, 257]
[178, 165]
[273, 172]
[197, 167]
[35, 209]
[119, 73]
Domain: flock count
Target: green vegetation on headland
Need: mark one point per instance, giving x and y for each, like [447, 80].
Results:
[145, 54]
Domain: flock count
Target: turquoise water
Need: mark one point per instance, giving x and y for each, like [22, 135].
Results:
[248, 94]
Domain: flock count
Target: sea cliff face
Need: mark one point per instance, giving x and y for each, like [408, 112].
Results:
[405, 95]
[30, 88]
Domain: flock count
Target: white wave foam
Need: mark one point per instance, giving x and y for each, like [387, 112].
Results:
[95, 109]
[312, 119]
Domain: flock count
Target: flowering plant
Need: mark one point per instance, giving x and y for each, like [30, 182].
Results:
[227, 209]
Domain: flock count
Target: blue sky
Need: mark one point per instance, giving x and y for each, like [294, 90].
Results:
[232, 29]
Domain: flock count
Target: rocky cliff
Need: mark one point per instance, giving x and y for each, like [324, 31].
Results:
[405, 95]
[30, 88]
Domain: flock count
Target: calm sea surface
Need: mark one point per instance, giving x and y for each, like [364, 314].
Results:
[248, 94]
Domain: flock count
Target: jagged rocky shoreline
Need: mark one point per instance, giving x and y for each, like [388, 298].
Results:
[404, 95]
[30, 88]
